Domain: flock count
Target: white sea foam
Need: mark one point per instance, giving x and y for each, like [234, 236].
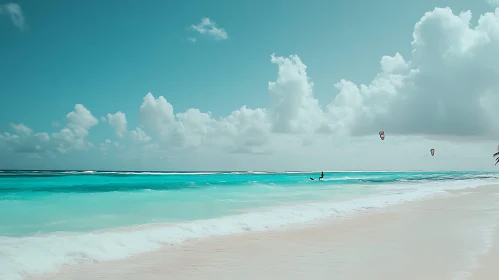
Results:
[21, 256]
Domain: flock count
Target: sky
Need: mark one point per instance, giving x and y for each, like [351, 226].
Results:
[254, 85]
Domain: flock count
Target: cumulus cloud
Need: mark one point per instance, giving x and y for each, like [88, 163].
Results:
[191, 129]
[448, 88]
[118, 122]
[209, 27]
[192, 39]
[81, 118]
[71, 137]
[139, 135]
[445, 92]
[186, 129]
[21, 129]
[295, 109]
[14, 11]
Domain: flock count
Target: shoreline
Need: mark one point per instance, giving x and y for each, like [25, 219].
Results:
[461, 225]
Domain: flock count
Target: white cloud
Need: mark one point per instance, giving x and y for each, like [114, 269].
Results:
[14, 11]
[139, 135]
[444, 92]
[81, 118]
[295, 109]
[73, 135]
[193, 128]
[118, 122]
[209, 27]
[26, 142]
[155, 113]
[185, 129]
[43, 136]
[443, 97]
[449, 88]
[249, 130]
[192, 39]
[21, 129]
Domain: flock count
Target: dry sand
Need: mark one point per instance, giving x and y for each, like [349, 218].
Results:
[439, 238]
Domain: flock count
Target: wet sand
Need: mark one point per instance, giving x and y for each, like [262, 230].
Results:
[444, 237]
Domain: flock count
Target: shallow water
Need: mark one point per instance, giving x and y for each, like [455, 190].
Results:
[54, 215]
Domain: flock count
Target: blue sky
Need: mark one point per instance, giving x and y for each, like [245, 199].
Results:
[108, 55]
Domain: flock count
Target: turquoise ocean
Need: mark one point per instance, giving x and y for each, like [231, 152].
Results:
[54, 218]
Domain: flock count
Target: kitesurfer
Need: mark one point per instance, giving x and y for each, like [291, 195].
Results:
[322, 175]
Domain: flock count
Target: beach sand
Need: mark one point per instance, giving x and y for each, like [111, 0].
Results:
[444, 237]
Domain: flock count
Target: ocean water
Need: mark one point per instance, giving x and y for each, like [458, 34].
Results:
[54, 218]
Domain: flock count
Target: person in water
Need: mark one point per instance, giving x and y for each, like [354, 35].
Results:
[322, 176]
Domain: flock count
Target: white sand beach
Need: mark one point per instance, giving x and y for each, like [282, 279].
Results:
[443, 237]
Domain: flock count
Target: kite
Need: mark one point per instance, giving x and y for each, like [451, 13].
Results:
[432, 151]
[382, 135]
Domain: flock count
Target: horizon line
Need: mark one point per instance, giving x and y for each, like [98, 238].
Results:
[229, 171]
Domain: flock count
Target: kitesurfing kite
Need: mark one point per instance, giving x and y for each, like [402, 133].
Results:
[497, 155]
[432, 151]
[382, 135]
